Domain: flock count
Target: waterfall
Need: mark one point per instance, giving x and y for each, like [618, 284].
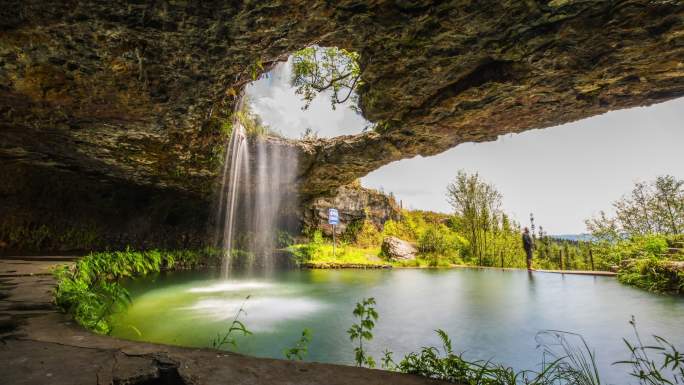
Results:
[235, 171]
[257, 198]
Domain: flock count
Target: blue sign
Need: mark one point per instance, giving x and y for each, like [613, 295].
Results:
[333, 217]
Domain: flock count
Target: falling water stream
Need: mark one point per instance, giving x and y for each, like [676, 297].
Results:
[256, 196]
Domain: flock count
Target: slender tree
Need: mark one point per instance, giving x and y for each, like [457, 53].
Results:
[474, 202]
[651, 208]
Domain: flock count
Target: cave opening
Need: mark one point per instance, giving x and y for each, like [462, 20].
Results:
[310, 95]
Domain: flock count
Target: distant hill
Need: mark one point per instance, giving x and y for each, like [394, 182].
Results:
[573, 237]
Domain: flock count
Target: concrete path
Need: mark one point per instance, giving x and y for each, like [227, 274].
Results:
[580, 272]
[39, 345]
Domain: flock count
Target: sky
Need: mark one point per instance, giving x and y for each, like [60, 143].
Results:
[563, 174]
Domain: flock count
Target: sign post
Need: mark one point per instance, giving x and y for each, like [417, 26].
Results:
[333, 219]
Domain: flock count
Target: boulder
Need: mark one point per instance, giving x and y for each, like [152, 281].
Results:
[395, 249]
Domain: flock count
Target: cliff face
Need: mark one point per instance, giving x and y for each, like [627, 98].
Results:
[44, 210]
[353, 203]
[134, 93]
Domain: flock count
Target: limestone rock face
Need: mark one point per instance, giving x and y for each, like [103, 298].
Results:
[395, 249]
[137, 93]
[353, 203]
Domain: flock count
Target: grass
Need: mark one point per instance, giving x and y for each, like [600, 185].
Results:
[321, 255]
[652, 274]
[90, 290]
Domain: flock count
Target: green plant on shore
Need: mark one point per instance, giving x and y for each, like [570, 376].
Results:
[572, 365]
[365, 312]
[669, 370]
[301, 348]
[236, 326]
[652, 274]
[90, 290]
[567, 359]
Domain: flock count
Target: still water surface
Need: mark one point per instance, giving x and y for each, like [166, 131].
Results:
[489, 314]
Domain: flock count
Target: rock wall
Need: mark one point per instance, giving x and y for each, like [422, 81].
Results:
[45, 210]
[134, 95]
[354, 203]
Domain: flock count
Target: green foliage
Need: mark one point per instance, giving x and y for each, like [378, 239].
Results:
[564, 363]
[284, 239]
[476, 205]
[368, 235]
[318, 69]
[299, 351]
[656, 207]
[304, 253]
[226, 128]
[255, 69]
[236, 326]
[652, 244]
[321, 255]
[90, 290]
[669, 369]
[251, 122]
[17, 234]
[567, 359]
[645, 261]
[439, 239]
[653, 274]
[363, 331]
[400, 229]
[442, 239]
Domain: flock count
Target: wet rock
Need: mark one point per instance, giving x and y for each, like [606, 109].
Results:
[395, 249]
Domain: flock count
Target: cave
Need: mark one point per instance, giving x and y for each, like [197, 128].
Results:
[126, 100]
[118, 120]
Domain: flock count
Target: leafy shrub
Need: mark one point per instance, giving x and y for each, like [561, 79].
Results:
[438, 239]
[368, 235]
[90, 291]
[652, 244]
[399, 229]
[654, 275]
[284, 239]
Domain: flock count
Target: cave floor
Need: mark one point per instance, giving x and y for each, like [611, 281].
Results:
[39, 345]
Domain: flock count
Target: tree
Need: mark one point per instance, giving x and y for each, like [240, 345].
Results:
[669, 204]
[475, 202]
[603, 227]
[651, 208]
[318, 69]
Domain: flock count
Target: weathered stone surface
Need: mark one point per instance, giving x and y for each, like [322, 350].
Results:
[137, 91]
[48, 209]
[395, 249]
[353, 203]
